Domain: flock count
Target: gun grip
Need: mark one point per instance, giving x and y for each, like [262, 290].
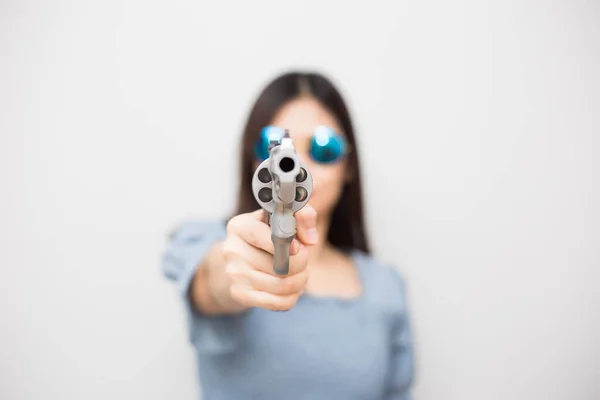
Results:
[281, 259]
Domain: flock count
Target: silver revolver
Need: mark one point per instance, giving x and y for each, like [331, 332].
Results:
[282, 185]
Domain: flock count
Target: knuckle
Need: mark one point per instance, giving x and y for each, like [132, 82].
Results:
[234, 224]
[230, 270]
[308, 214]
[234, 292]
[237, 293]
[228, 247]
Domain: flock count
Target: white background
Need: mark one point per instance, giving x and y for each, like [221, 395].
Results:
[479, 135]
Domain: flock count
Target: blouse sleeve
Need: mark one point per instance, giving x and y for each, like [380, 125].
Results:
[401, 368]
[187, 247]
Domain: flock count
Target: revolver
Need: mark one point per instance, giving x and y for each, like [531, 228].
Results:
[282, 185]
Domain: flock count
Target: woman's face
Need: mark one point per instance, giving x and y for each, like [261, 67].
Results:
[300, 116]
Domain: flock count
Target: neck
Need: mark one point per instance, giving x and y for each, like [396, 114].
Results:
[317, 251]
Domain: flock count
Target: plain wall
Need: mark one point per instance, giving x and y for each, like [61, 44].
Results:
[479, 134]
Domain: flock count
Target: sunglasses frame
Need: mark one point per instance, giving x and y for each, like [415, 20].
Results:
[347, 146]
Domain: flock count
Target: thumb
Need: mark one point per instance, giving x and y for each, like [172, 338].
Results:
[307, 225]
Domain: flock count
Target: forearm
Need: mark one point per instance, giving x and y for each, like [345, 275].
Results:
[209, 290]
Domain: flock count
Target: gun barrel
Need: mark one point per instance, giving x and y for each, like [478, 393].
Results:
[282, 186]
[284, 168]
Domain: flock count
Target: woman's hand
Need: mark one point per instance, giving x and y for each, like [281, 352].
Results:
[248, 252]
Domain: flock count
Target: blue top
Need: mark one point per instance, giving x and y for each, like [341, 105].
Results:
[323, 348]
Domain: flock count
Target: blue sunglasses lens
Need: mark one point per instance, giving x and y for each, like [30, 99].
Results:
[268, 133]
[326, 145]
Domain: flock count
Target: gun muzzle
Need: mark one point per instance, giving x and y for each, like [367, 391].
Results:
[282, 185]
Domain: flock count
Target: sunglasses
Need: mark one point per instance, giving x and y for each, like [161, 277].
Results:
[326, 146]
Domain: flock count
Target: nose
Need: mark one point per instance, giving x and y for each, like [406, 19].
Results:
[303, 157]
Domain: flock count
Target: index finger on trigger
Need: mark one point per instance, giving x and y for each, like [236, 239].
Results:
[262, 216]
[252, 231]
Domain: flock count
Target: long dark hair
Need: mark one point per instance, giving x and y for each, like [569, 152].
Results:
[347, 226]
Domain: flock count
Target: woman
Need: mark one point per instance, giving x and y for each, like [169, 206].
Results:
[345, 333]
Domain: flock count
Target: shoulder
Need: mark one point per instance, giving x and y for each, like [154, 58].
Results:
[198, 229]
[384, 281]
[187, 244]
